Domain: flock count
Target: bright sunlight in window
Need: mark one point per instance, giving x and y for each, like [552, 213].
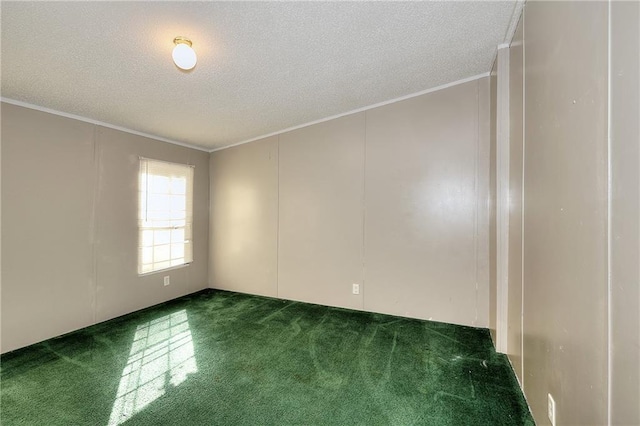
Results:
[165, 215]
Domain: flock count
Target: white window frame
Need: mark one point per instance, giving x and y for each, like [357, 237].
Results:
[165, 215]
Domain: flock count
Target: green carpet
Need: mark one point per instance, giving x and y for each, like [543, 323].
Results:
[221, 358]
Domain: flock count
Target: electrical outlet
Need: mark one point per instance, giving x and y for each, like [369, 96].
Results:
[551, 409]
[167, 280]
[356, 289]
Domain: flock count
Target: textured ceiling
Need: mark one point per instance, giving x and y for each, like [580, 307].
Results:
[262, 67]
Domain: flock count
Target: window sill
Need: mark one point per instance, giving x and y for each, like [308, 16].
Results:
[173, 268]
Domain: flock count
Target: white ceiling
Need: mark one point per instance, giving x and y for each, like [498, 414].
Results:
[262, 66]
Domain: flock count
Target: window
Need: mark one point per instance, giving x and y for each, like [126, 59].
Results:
[165, 213]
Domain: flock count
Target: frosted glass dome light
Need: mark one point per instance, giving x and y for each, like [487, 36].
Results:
[183, 55]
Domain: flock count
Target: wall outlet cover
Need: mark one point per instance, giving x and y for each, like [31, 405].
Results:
[167, 280]
[356, 289]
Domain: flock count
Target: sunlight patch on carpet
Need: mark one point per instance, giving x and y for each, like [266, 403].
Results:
[161, 356]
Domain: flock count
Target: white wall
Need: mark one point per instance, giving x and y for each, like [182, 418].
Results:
[493, 193]
[625, 213]
[425, 207]
[516, 145]
[574, 327]
[320, 220]
[394, 199]
[565, 210]
[69, 223]
[244, 218]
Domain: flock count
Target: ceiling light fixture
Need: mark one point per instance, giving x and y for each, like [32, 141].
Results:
[183, 55]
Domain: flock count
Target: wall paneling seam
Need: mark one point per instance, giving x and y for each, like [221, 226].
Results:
[476, 239]
[609, 226]
[522, 192]
[94, 221]
[502, 200]
[278, 216]
[363, 290]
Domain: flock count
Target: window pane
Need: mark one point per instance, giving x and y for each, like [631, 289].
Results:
[161, 253]
[161, 265]
[178, 186]
[147, 238]
[177, 235]
[159, 202]
[162, 236]
[177, 251]
[147, 254]
[177, 262]
[146, 269]
[178, 214]
[165, 211]
[178, 202]
[158, 184]
[158, 215]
